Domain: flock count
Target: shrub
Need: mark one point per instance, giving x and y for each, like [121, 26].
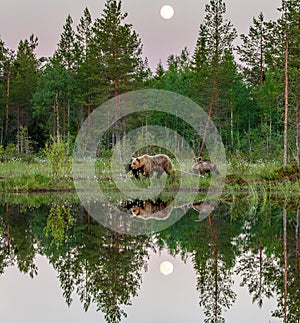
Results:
[58, 155]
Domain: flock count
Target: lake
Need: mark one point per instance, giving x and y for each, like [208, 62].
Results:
[238, 262]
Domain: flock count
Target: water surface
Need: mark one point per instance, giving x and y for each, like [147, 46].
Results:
[59, 264]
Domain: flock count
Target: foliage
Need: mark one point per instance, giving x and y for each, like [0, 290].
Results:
[59, 222]
[102, 57]
[58, 155]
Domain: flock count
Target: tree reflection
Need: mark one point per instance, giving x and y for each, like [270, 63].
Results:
[215, 278]
[289, 284]
[105, 268]
[101, 266]
[208, 243]
[258, 265]
[17, 240]
[59, 222]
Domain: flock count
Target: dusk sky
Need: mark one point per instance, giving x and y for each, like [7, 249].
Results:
[160, 37]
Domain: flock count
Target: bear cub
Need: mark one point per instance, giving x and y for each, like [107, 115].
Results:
[204, 166]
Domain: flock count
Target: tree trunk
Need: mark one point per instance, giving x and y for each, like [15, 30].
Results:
[7, 99]
[68, 119]
[261, 73]
[56, 115]
[285, 278]
[215, 83]
[212, 101]
[231, 128]
[297, 240]
[286, 99]
[215, 252]
[297, 136]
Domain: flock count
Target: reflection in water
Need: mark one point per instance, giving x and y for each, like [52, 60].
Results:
[166, 268]
[59, 222]
[161, 210]
[105, 268]
[150, 209]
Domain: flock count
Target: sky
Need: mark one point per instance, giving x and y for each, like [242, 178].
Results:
[160, 37]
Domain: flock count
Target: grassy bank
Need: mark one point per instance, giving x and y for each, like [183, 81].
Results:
[19, 176]
[268, 176]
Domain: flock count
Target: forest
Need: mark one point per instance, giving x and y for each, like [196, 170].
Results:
[250, 91]
[249, 87]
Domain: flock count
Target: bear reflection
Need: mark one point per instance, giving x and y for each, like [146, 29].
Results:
[149, 209]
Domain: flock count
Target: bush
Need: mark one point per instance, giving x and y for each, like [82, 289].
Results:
[10, 153]
[58, 155]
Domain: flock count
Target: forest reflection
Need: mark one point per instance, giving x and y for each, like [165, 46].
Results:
[257, 241]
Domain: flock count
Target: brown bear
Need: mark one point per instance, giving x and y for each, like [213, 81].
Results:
[158, 209]
[158, 163]
[204, 166]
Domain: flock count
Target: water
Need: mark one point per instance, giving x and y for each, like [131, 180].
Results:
[57, 264]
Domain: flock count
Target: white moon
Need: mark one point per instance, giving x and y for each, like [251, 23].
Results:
[167, 12]
[166, 268]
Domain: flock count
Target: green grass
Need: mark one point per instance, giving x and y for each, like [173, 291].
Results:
[16, 176]
[12, 169]
[263, 176]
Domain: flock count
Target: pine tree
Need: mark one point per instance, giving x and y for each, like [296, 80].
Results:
[229, 88]
[65, 52]
[216, 36]
[66, 55]
[50, 99]
[83, 35]
[254, 50]
[202, 69]
[6, 58]
[85, 82]
[117, 50]
[294, 70]
[24, 77]
[159, 73]
[286, 69]
[257, 52]
[177, 76]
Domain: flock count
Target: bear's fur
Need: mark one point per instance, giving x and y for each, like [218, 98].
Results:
[158, 163]
[140, 171]
[204, 166]
[151, 209]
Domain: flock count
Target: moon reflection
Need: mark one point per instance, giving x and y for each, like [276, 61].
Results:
[167, 12]
[166, 268]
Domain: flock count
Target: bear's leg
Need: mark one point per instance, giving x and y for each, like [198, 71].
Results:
[136, 173]
[146, 171]
[168, 169]
[159, 173]
[158, 170]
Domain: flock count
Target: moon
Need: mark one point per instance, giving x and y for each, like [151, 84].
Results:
[166, 268]
[167, 12]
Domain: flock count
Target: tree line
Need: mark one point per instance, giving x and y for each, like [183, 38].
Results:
[250, 91]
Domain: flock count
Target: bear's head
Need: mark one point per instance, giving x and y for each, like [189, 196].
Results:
[136, 163]
[136, 210]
